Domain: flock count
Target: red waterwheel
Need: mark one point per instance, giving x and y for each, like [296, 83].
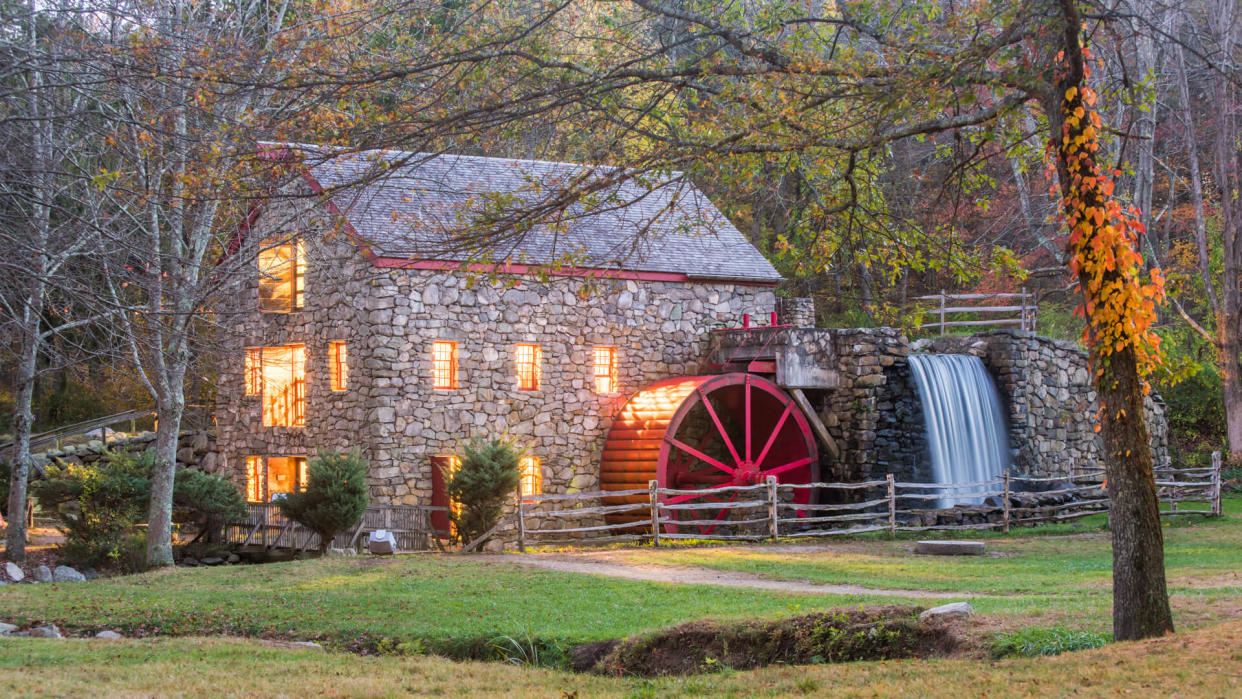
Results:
[706, 432]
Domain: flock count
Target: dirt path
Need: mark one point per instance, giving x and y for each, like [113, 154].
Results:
[691, 575]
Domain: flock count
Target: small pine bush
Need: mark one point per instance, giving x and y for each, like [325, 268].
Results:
[335, 496]
[207, 500]
[488, 476]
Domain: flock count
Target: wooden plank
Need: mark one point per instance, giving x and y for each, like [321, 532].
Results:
[984, 309]
[970, 297]
[964, 323]
[817, 425]
[737, 504]
[850, 506]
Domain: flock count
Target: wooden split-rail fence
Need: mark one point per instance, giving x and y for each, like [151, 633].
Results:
[266, 527]
[1018, 309]
[769, 510]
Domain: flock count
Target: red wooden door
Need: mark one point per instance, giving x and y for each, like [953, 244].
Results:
[439, 494]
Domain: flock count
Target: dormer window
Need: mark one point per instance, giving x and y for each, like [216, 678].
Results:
[282, 273]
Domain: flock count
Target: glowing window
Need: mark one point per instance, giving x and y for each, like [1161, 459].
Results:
[282, 271]
[606, 369]
[444, 365]
[284, 386]
[529, 373]
[254, 479]
[338, 366]
[273, 475]
[532, 477]
[254, 371]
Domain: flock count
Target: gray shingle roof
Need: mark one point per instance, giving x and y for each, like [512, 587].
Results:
[417, 205]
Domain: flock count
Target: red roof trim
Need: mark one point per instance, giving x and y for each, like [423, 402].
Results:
[481, 268]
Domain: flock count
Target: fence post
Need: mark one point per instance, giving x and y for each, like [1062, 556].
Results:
[521, 513]
[773, 517]
[1005, 502]
[1216, 484]
[892, 505]
[388, 518]
[1022, 312]
[654, 488]
[942, 304]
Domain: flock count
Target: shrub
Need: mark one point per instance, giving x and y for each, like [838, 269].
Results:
[485, 480]
[208, 501]
[335, 495]
[1052, 640]
[100, 505]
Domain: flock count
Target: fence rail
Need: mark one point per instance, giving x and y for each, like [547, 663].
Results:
[771, 510]
[265, 526]
[1023, 314]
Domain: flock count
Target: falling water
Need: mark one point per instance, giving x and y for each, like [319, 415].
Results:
[965, 425]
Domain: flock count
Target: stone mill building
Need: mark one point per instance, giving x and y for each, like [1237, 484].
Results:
[360, 327]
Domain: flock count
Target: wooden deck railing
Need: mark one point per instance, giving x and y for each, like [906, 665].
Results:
[265, 526]
[769, 511]
[1003, 311]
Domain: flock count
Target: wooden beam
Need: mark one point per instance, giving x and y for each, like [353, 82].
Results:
[817, 425]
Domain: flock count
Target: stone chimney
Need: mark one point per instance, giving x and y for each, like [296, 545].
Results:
[799, 313]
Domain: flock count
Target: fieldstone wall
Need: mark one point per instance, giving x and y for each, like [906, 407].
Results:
[389, 319]
[875, 415]
[195, 449]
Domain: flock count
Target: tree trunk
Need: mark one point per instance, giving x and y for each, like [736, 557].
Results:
[1140, 598]
[159, 516]
[23, 422]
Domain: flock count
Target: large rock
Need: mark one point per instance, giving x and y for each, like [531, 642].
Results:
[212, 561]
[64, 574]
[49, 631]
[6, 629]
[108, 635]
[43, 574]
[14, 572]
[954, 610]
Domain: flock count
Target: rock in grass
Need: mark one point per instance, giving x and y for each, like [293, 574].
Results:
[6, 629]
[49, 631]
[954, 610]
[108, 635]
[43, 574]
[308, 644]
[14, 572]
[188, 561]
[212, 561]
[951, 548]
[64, 574]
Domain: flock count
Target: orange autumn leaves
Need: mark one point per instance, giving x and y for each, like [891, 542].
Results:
[1120, 308]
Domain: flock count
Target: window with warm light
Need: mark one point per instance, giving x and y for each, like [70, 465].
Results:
[254, 371]
[283, 378]
[338, 366]
[255, 476]
[282, 271]
[274, 475]
[531, 482]
[529, 372]
[606, 369]
[444, 366]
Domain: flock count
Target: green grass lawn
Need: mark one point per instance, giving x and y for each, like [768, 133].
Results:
[451, 603]
[1197, 663]
[460, 606]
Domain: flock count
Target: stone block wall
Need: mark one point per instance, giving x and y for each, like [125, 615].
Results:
[390, 317]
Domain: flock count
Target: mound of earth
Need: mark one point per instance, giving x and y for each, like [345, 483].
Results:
[876, 633]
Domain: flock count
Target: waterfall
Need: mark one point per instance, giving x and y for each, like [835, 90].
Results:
[964, 421]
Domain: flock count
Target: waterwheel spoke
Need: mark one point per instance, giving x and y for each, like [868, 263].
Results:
[747, 423]
[701, 456]
[786, 467]
[772, 437]
[719, 426]
[720, 515]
